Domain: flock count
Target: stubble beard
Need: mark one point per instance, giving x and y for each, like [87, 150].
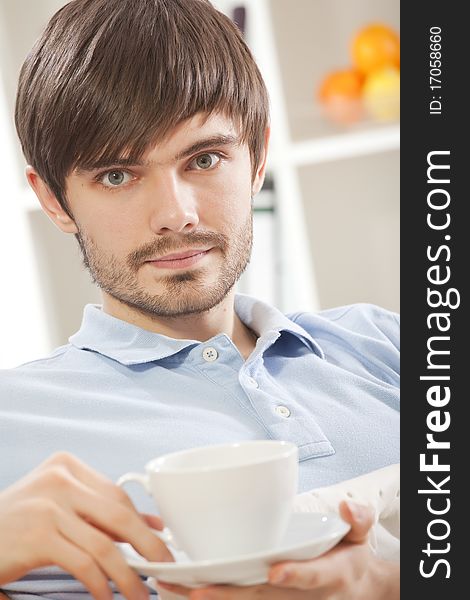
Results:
[184, 293]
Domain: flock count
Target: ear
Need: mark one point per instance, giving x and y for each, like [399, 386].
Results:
[260, 173]
[49, 203]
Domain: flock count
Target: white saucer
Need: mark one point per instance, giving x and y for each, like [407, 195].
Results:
[308, 535]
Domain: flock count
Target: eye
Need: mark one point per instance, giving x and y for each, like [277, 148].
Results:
[114, 178]
[206, 161]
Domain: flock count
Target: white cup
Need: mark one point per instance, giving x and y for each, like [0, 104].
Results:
[225, 500]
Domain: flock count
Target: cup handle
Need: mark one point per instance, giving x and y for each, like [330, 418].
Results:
[138, 477]
[166, 536]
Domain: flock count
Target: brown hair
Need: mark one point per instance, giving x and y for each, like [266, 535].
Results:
[114, 76]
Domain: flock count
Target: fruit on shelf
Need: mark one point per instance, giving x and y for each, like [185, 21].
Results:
[374, 47]
[370, 86]
[381, 93]
[340, 95]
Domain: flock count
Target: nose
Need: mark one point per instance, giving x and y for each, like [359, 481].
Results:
[174, 206]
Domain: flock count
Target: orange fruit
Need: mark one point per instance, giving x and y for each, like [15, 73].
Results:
[381, 94]
[340, 94]
[375, 46]
[346, 83]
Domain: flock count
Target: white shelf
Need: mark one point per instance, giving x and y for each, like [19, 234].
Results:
[345, 145]
[339, 146]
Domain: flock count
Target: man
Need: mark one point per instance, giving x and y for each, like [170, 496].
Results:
[145, 127]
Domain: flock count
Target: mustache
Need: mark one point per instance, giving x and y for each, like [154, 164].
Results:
[167, 245]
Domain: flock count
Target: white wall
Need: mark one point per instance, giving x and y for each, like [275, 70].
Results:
[22, 326]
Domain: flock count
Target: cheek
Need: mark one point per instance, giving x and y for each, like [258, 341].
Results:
[111, 237]
[231, 201]
[103, 218]
[113, 231]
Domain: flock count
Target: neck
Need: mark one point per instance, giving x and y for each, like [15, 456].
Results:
[202, 327]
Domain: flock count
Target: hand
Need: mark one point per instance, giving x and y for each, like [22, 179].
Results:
[347, 572]
[63, 513]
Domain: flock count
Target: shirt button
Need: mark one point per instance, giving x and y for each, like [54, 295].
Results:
[253, 382]
[210, 354]
[283, 411]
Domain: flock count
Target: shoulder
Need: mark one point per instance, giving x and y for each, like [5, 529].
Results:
[56, 357]
[361, 338]
[354, 321]
[49, 371]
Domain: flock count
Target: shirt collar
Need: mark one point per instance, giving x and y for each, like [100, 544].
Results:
[129, 344]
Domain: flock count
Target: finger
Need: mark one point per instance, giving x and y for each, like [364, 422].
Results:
[361, 519]
[210, 593]
[323, 571]
[229, 592]
[126, 525]
[153, 521]
[87, 476]
[104, 504]
[302, 575]
[173, 587]
[114, 518]
[345, 562]
[104, 553]
[81, 565]
[310, 574]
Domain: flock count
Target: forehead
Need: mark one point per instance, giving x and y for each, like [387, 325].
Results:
[200, 123]
[192, 130]
[187, 138]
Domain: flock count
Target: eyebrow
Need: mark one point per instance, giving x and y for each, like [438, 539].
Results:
[219, 140]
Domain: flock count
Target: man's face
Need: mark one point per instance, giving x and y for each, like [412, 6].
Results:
[172, 235]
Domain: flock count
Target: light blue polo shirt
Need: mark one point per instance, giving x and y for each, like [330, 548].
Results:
[117, 396]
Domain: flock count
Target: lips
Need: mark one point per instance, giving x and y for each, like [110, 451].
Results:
[179, 256]
[179, 260]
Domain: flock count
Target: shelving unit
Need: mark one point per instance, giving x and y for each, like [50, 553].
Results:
[294, 45]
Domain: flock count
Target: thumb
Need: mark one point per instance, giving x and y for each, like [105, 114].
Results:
[361, 519]
[153, 521]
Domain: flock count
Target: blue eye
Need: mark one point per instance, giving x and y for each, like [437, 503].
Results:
[206, 161]
[115, 178]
